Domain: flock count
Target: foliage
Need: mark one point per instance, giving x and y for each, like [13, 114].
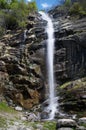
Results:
[83, 3]
[2, 26]
[10, 21]
[50, 125]
[3, 122]
[77, 9]
[67, 3]
[5, 108]
[15, 13]
[32, 6]
[3, 4]
[2, 31]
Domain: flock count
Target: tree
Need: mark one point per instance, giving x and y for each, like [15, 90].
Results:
[32, 6]
[14, 13]
[77, 9]
[67, 3]
[3, 4]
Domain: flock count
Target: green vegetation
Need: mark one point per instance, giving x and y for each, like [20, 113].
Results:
[74, 85]
[3, 122]
[50, 125]
[8, 117]
[5, 108]
[76, 8]
[65, 85]
[14, 13]
[67, 3]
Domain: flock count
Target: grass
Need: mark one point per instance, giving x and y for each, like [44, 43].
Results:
[3, 122]
[5, 108]
[8, 116]
[50, 125]
[47, 125]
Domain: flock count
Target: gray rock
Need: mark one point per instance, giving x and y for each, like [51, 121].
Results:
[66, 123]
[32, 117]
[82, 120]
[18, 108]
[39, 127]
[23, 118]
[65, 128]
[80, 128]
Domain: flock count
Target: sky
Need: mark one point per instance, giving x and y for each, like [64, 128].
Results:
[45, 4]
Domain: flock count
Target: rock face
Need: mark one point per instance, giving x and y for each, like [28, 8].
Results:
[70, 59]
[21, 79]
[23, 76]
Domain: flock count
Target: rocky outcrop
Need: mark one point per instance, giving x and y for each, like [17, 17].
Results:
[70, 59]
[71, 49]
[68, 124]
[21, 80]
[73, 95]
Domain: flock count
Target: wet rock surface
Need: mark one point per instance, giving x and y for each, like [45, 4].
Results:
[70, 60]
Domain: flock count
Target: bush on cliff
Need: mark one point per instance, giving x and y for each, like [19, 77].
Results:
[77, 9]
[15, 13]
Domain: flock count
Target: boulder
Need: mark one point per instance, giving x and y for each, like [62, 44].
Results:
[80, 128]
[82, 120]
[66, 123]
[64, 128]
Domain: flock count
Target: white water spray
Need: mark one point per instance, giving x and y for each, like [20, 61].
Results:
[50, 58]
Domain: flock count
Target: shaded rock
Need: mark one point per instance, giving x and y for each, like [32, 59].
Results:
[29, 102]
[10, 59]
[2, 66]
[73, 95]
[44, 115]
[31, 117]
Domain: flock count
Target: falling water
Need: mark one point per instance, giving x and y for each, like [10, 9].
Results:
[50, 57]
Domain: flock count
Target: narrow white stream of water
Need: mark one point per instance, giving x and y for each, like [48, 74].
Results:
[50, 58]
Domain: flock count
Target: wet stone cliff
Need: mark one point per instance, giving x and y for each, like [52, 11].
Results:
[70, 60]
[23, 76]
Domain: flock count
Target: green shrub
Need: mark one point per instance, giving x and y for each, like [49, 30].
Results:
[11, 21]
[67, 3]
[2, 31]
[15, 13]
[77, 9]
[5, 108]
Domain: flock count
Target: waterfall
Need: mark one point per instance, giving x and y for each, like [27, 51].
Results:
[50, 58]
